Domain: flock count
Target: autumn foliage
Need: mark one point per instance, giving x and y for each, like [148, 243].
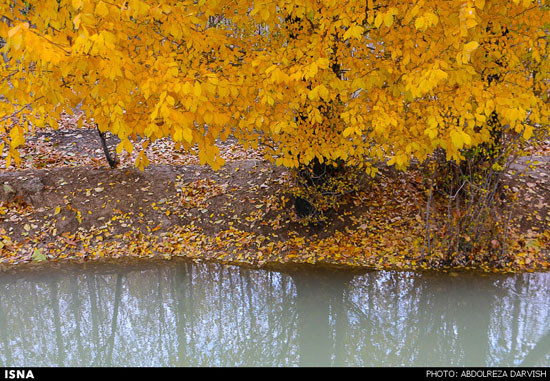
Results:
[325, 80]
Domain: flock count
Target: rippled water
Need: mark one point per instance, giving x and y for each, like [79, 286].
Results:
[183, 314]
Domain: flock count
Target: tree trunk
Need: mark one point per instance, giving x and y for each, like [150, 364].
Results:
[112, 160]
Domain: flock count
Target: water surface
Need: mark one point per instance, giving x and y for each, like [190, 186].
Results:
[184, 314]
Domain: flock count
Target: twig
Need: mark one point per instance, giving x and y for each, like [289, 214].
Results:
[28, 105]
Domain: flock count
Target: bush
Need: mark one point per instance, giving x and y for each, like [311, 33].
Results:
[319, 187]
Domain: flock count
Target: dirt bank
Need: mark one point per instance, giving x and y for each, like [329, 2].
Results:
[65, 203]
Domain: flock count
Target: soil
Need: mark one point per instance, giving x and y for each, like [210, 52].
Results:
[64, 202]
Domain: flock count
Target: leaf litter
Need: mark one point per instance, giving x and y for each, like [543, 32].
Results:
[79, 209]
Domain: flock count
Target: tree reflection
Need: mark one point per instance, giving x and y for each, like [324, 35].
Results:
[111, 339]
[539, 353]
[4, 323]
[320, 321]
[183, 288]
[184, 314]
[54, 302]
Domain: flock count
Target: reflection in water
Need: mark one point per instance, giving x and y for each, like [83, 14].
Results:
[183, 314]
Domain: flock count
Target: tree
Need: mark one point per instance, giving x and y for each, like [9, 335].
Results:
[314, 80]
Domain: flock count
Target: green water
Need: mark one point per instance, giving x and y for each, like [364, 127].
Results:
[182, 314]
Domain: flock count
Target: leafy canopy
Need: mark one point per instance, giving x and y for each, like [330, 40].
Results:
[334, 80]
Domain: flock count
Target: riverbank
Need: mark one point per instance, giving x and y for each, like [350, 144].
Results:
[66, 204]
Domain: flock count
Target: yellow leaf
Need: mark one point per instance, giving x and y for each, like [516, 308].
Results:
[378, 20]
[324, 62]
[312, 70]
[466, 138]
[101, 9]
[264, 12]
[76, 22]
[419, 22]
[13, 31]
[187, 134]
[197, 89]
[528, 132]
[468, 49]
[470, 23]
[323, 92]
[471, 46]
[348, 131]
[355, 31]
[128, 146]
[388, 19]
[457, 139]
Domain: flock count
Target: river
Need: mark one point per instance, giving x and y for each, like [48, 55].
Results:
[176, 313]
